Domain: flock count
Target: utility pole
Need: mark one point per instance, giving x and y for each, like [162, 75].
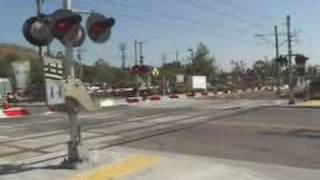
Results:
[276, 35]
[135, 52]
[141, 58]
[164, 59]
[136, 63]
[177, 56]
[192, 59]
[289, 37]
[123, 49]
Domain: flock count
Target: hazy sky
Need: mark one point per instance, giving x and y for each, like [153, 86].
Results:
[227, 27]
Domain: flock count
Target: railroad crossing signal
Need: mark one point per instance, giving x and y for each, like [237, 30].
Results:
[36, 31]
[65, 25]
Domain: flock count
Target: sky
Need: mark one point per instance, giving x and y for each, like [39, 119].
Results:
[227, 27]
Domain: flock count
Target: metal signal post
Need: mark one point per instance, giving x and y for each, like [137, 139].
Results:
[71, 106]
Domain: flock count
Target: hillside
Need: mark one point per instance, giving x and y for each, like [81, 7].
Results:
[12, 52]
[19, 52]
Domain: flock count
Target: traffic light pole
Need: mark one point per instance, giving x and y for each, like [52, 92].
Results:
[71, 106]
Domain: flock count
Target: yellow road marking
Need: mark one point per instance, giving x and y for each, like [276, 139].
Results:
[312, 103]
[126, 167]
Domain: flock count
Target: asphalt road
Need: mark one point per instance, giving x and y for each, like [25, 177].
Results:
[239, 138]
[282, 136]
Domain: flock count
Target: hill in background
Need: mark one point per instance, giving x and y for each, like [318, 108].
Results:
[16, 50]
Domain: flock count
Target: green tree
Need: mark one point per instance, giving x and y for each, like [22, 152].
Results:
[264, 70]
[203, 63]
[170, 70]
[5, 64]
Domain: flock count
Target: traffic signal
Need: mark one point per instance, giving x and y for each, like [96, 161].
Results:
[99, 27]
[301, 64]
[36, 31]
[144, 69]
[79, 38]
[282, 60]
[65, 25]
[140, 70]
[135, 69]
[301, 59]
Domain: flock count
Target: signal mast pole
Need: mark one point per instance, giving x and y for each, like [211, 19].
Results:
[71, 106]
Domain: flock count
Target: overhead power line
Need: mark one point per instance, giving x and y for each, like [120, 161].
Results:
[203, 6]
[187, 25]
[243, 9]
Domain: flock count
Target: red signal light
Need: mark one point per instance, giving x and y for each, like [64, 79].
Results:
[64, 21]
[99, 27]
[61, 27]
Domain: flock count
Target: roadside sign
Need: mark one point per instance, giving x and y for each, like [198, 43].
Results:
[55, 92]
[180, 78]
[155, 72]
[53, 73]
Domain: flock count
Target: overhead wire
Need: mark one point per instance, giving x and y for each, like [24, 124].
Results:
[179, 18]
[147, 19]
[190, 21]
[244, 9]
[223, 14]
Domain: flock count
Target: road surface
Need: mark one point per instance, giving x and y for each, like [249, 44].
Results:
[285, 136]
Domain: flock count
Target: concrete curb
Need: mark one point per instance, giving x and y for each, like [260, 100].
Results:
[31, 105]
[294, 106]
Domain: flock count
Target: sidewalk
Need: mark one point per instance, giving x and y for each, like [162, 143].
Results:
[135, 164]
[310, 104]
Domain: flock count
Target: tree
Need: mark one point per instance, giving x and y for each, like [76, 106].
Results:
[313, 71]
[170, 70]
[5, 64]
[102, 72]
[238, 70]
[264, 70]
[203, 63]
